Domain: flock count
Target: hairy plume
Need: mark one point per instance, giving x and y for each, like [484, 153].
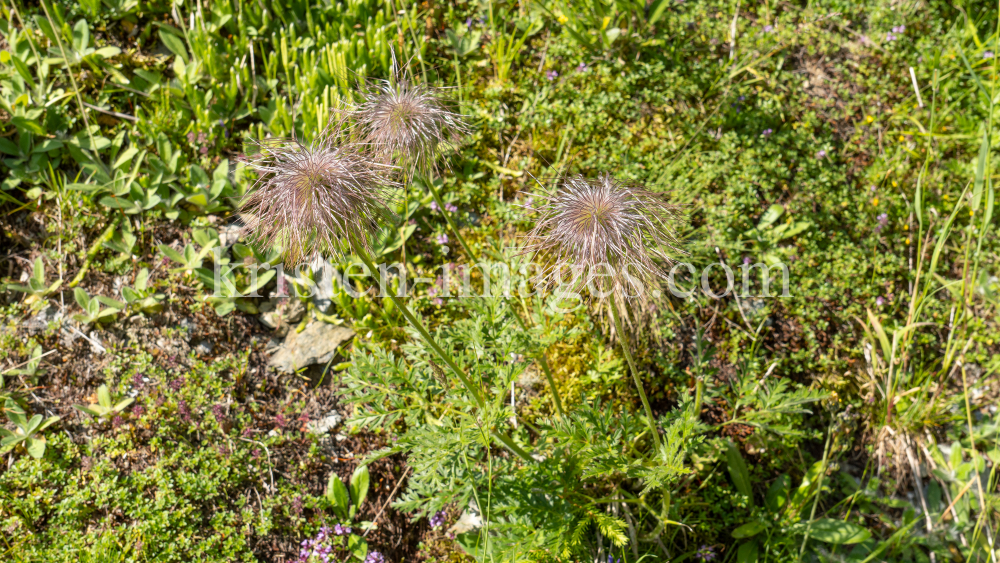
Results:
[323, 196]
[615, 235]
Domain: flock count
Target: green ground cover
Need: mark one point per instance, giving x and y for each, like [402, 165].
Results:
[851, 420]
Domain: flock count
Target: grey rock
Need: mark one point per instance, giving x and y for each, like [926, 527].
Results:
[325, 424]
[204, 348]
[282, 313]
[317, 344]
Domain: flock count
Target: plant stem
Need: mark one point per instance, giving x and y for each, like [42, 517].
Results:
[451, 225]
[415, 323]
[635, 375]
[545, 364]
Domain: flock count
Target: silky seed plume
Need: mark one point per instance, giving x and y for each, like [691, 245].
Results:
[309, 198]
[612, 233]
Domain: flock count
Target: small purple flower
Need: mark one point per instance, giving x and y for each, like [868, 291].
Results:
[450, 208]
[255, 453]
[528, 202]
[899, 29]
[468, 22]
[375, 557]
[297, 505]
[117, 421]
[137, 380]
[220, 413]
[767, 132]
[431, 292]
[883, 222]
[323, 535]
[438, 519]
[890, 37]
[872, 188]
[438, 301]
[442, 239]
[138, 410]
[821, 154]
[706, 553]
[184, 411]
[280, 421]
[177, 384]
[434, 206]
[879, 301]
[551, 74]
[988, 54]
[768, 28]
[340, 530]
[746, 259]
[582, 67]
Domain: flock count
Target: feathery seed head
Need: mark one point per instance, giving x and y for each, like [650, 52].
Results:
[405, 119]
[608, 232]
[325, 196]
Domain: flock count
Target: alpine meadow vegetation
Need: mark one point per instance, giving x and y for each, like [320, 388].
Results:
[499, 280]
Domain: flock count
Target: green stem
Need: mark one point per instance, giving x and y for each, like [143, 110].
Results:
[415, 323]
[545, 365]
[451, 225]
[635, 375]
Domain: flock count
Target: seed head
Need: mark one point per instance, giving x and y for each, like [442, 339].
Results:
[324, 196]
[608, 232]
[407, 120]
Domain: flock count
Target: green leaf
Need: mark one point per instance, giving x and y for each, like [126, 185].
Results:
[104, 396]
[48, 422]
[81, 36]
[27, 125]
[770, 216]
[359, 485]
[749, 530]
[175, 44]
[838, 532]
[82, 299]
[747, 553]
[357, 546]
[738, 472]
[22, 69]
[336, 494]
[113, 303]
[977, 189]
[777, 494]
[35, 447]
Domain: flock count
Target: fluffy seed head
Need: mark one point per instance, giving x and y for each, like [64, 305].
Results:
[609, 233]
[324, 196]
[403, 119]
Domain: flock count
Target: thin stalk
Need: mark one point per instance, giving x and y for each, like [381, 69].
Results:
[819, 490]
[544, 363]
[504, 439]
[451, 225]
[635, 375]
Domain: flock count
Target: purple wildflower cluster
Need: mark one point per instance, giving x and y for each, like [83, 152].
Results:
[438, 519]
[450, 208]
[883, 222]
[375, 557]
[177, 384]
[341, 530]
[551, 75]
[821, 154]
[768, 28]
[137, 380]
[879, 301]
[893, 35]
[434, 206]
[184, 411]
[319, 547]
[138, 410]
[280, 421]
[117, 421]
[706, 553]
[220, 413]
[582, 67]
[442, 239]
[767, 132]
[611, 559]
[987, 54]
[199, 139]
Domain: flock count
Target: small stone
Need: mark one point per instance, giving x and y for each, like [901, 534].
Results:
[282, 314]
[204, 348]
[325, 424]
[317, 344]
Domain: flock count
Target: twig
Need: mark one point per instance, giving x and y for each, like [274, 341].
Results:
[93, 342]
[27, 362]
[131, 118]
[388, 500]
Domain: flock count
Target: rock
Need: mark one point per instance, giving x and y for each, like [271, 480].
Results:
[282, 313]
[204, 348]
[325, 424]
[468, 521]
[40, 322]
[317, 344]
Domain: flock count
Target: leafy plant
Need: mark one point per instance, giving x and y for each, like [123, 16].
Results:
[92, 310]
[105, 406]
[37, 289]
[25, 435]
